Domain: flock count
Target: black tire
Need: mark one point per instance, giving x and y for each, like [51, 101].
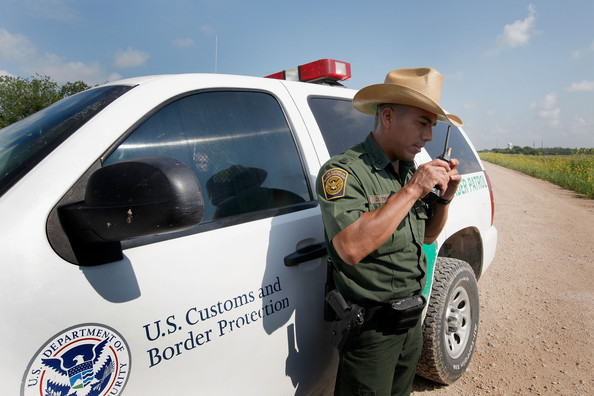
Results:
[450, 327]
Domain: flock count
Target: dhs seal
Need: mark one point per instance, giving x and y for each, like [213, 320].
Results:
[87, 359]
[334, 182]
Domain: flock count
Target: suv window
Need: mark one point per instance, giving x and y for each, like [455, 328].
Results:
[238, 143]
[460, 148]
[342, 125]
[25, 143]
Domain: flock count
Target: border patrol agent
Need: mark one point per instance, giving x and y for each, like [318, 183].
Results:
[376, 223]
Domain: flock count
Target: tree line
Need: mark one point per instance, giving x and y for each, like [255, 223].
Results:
[527, 150]
[20, 97]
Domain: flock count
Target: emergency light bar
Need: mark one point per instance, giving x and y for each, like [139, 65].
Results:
[320, 70]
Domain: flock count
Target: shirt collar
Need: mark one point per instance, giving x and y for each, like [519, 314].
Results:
[378, 158]
[376, 155]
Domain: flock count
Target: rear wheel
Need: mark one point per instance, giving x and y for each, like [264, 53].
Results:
[450, 326]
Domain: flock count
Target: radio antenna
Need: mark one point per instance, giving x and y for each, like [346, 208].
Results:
[216, 52]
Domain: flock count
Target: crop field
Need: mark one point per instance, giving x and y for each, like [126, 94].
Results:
[574, 172]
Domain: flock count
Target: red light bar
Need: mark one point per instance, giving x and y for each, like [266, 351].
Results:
[323, 69]
[278, 76]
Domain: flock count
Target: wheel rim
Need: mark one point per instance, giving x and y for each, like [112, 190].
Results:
[458, 322]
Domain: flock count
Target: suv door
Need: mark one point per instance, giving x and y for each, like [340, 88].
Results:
[234, 304]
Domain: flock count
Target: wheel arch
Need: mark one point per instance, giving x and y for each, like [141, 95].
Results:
[466, 245]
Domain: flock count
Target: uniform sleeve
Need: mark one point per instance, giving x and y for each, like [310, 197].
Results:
[341, 197]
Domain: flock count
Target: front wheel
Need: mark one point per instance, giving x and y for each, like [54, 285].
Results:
[450, 326]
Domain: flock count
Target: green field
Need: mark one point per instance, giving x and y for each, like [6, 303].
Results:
[574, 172]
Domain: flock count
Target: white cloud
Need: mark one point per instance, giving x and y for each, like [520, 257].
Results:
[581, 52]
[114, 77]
[183, 43]
[458, 76]
[547, 109]
[498, 130]
[130, 58]
[5, 73]
[579, 122]
[208, 30]
[63, 71]
[584, 86]
[549, 101]
[15, 47]
[580, 131]
[19, 50]
[519, 33]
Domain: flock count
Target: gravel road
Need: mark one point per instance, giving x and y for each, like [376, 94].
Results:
[536, 332]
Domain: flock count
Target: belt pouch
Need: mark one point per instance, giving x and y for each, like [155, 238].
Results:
[404, 313]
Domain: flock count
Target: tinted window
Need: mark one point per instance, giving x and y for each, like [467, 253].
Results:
[342, 125]
[25, 143]
[238, 144]
[460, 148]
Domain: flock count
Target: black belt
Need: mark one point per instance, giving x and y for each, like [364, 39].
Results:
[396, 316]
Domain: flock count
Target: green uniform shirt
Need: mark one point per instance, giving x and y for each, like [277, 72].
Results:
[357, 181]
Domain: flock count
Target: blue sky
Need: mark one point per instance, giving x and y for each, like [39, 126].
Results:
[518, 72]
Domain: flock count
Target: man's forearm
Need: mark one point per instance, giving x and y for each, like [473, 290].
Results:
[372, 229]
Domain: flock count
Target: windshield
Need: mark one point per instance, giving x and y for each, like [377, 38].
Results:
[25, 143]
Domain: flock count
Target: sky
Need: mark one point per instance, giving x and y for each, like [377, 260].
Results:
[519, 72]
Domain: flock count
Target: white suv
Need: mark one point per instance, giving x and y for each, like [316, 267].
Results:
[161, 235]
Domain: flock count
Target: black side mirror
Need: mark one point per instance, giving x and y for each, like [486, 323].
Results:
[140, 197]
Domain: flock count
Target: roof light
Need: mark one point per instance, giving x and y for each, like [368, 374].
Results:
[320, 70]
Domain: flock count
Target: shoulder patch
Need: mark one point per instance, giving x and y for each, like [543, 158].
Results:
[334, 182]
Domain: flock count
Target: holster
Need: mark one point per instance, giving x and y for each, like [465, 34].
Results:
[349, 319]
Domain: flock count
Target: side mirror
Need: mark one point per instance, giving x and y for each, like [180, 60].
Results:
[140, 197]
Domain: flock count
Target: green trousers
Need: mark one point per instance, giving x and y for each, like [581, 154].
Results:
[379, 364]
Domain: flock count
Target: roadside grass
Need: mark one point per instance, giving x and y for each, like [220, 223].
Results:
[574, 172]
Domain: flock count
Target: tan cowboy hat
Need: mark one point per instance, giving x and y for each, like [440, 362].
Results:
[419, 87]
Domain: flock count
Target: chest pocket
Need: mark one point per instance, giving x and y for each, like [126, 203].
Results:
[411, 229]
[422, 215]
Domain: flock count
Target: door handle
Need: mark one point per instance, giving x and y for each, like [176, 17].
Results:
[306, 253]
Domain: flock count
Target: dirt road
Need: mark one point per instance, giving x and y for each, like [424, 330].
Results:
[536, 333]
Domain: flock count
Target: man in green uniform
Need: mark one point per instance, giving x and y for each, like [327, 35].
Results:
[376, 223]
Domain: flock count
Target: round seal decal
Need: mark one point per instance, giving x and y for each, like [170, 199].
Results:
[88, 359]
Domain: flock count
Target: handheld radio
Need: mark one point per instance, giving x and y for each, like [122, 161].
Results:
[435, 192]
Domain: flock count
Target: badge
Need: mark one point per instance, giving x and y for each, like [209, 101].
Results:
[334, 182]
[87, 359]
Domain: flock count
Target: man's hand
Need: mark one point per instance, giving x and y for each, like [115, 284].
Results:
[453, 181]
[437, 173]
